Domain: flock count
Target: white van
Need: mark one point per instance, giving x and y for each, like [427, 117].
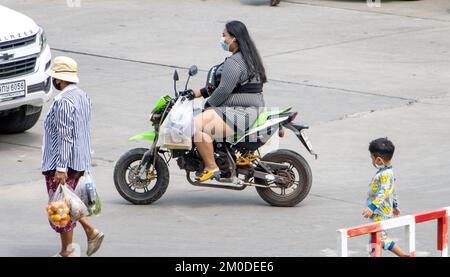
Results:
[24, 57]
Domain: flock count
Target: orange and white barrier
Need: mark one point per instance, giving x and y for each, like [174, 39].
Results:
[408, 222]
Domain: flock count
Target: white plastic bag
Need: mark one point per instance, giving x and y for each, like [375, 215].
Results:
[77, 207]
[65, 206]
[178, 128]
[87, 191]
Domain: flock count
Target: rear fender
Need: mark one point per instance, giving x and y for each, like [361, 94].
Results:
[298, 131]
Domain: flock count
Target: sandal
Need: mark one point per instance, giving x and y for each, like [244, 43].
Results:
[95, 243]
[207, 175]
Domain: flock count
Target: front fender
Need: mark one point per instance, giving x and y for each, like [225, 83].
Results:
[150, 136]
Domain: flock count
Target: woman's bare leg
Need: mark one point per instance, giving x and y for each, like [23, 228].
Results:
[88, 228]
[204, 142]
[209, 125]
[218, 129]
[66, 243]
[206, 150]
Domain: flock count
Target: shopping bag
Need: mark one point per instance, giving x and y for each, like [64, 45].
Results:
[87, 191]
[65, 206]
[178, 128]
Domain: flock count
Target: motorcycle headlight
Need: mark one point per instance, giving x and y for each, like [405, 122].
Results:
[42, 39]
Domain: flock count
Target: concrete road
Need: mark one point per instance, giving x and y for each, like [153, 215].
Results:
[354, 73]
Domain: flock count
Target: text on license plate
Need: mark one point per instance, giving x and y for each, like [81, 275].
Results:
[12, 90]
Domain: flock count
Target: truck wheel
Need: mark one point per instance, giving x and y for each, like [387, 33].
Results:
[18, 122]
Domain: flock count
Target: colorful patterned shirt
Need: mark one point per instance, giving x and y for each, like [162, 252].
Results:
[382, 197]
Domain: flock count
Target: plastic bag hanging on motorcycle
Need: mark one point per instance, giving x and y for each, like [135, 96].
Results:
[178, 128]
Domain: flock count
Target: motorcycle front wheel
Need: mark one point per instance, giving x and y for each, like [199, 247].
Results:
[131, 187]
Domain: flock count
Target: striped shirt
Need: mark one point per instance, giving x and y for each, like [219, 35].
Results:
[239, 110]
[234, 72]
[66, 142]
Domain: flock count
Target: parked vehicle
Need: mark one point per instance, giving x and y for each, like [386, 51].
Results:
[24, 57]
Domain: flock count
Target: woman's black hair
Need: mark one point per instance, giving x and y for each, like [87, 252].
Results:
[247, 48]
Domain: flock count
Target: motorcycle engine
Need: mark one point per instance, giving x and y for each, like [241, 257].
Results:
[193, 162]
[190, 162]
[223, 163]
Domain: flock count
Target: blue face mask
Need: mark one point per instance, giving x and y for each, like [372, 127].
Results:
[224, 45]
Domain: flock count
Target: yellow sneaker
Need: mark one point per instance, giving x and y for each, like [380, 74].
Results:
[207, 175]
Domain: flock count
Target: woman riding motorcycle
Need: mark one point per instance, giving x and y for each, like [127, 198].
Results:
[234, 91]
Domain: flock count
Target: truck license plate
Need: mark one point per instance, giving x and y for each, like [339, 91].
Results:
[12, 90]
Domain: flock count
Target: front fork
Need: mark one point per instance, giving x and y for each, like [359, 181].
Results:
[147, 163]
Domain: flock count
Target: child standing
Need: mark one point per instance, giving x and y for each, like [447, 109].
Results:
[382, 202]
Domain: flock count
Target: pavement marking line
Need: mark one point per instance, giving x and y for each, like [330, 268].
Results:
[202, 70]
[348, 91]
[21, 182]
[119, 59]
[410, 103]
[40, 149]
[334, 199]
[435, 97]
[348, 41]
[365, 11]
[23, 145]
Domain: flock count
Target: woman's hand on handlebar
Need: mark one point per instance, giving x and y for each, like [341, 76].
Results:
[191, 94]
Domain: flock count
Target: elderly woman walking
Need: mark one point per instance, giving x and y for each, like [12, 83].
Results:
[67, 147]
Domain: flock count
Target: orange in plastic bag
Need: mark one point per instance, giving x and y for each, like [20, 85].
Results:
[65, 206]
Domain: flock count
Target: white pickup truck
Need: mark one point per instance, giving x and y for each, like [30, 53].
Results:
[24, 57]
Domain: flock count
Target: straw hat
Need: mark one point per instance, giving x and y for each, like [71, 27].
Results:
[65, 69]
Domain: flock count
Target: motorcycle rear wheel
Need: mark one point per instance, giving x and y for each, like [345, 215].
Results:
[300, 188]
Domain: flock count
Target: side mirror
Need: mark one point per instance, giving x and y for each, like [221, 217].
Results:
[193, 70]
[175, 79]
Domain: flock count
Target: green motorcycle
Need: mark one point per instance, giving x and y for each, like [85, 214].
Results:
[282, 178]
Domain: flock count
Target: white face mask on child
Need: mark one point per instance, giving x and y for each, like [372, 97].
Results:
[377, 166]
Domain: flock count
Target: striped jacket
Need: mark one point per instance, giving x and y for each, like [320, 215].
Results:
[66, 142]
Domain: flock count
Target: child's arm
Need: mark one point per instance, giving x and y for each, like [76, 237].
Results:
[395, 203]
[395, 197]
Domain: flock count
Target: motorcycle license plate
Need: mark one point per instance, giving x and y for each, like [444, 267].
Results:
[305, 138]
[12, 90]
